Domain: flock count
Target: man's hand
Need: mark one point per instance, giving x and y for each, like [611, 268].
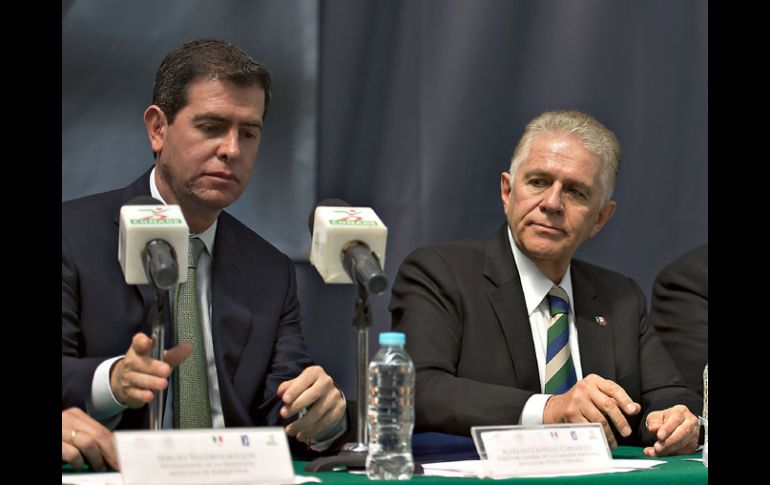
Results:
[134, 377]
[83, 438]
[315, 391]
[592, 400]
[676, 430]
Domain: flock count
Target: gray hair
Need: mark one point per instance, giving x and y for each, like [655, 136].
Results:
[596, 137]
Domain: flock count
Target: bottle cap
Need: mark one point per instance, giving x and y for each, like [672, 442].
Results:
[392, 338]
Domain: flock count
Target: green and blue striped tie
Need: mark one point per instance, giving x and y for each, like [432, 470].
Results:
[559, 369]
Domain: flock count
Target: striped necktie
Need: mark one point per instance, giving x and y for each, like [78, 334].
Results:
[559, 369]
[191, 393]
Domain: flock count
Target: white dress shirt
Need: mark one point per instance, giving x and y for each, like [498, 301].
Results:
[536, 287]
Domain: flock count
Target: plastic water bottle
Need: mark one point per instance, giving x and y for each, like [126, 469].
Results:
[706, 415]
[391, 410]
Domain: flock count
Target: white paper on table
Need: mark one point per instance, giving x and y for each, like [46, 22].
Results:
[635, 464]
[302, 479]
[114, 478]
[110, 478]
[461, 468]
[474, 468]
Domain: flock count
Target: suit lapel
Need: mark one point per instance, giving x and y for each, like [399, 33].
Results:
[231, 315]
[597, 352]
[507, 300]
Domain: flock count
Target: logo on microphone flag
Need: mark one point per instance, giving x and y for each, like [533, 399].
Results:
[351, 217]
[156, 216]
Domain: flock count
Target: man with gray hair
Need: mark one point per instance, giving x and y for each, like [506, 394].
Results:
[513, 330]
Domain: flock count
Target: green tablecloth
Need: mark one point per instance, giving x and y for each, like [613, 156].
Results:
[674, 471]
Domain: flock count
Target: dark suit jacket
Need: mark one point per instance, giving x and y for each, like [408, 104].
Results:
[462, 307]
[680, 313]
[255, 312]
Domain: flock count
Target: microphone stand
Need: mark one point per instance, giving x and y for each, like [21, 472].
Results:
[362, 320]
[158, 317]
[353, 455]
[160, 266]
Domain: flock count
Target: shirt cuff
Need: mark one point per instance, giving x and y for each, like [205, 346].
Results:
[333, 432]
[101, 404]
[330, 434]
[533, 409]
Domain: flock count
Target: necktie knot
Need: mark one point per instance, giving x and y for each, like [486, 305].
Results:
[194, 252]
[558, 301]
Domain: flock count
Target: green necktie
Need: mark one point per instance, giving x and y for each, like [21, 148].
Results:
[559, 369]
[191, 397]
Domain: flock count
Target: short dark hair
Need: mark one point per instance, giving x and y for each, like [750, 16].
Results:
[206, 58]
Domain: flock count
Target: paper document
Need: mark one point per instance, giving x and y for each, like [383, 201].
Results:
[474, 468]
[463, 468]
[114, 478]
[635, 464]
[111, 478]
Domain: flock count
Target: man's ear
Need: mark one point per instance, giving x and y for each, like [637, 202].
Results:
[156, 124]
[605, 214]
[506, 184]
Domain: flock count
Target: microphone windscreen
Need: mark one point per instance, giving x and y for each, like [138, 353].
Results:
[324, 203]
[144, 219]
[336, 229]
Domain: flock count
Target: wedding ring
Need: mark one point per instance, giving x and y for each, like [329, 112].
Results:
[72, 437]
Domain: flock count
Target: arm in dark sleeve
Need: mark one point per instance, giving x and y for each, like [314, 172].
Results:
[289, 355]
[429, 306]
[289, 359]
[77, 371]
[679, 313]
[662, 384]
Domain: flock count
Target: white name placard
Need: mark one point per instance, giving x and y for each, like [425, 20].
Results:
[510, 451]
[211, 456]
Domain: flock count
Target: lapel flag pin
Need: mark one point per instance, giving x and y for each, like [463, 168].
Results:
[601, 320]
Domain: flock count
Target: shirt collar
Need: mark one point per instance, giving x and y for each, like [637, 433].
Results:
[533, 282]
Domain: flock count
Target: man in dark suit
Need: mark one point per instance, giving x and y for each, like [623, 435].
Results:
[514, 331]
[680, 313]
[204, 126]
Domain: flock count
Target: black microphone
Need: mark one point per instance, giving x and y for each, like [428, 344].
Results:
[358, 259]
[160, 264]
[347, 242]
